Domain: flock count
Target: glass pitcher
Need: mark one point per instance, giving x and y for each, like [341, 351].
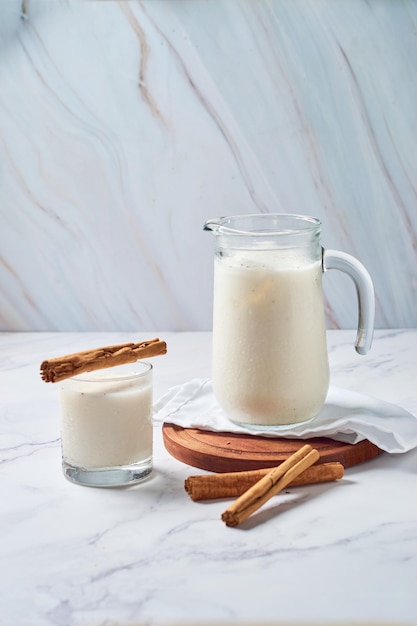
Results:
[270, 366]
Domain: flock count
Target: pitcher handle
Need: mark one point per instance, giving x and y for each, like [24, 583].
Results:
[333, 259]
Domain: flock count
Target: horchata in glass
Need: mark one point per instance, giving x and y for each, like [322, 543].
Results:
[106, 425]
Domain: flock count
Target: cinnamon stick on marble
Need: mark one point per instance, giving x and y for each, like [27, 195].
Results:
[60, 368]
[268, 486]
[234, 484]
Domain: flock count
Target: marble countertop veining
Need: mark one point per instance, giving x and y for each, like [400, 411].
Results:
[335, 553]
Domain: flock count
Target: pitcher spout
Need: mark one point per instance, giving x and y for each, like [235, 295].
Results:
[212, 225]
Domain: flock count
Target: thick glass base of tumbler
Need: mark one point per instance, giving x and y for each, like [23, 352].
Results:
[120, 476]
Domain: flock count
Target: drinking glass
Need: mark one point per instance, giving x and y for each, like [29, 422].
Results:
[106, 426]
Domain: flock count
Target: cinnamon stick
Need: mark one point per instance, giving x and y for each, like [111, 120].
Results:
[268, 486]
[60, 368]
[234, 484]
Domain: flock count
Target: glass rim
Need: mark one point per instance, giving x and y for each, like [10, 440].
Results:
[222, 226]
[92, 377]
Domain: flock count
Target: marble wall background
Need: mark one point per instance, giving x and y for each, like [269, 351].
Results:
[125, 125]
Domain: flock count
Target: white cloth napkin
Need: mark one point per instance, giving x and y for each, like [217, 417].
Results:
[346, 416]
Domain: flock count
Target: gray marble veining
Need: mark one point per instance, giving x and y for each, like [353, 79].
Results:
[341, 553]
[125, 125]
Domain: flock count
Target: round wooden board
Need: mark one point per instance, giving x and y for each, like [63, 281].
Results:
[230, 452]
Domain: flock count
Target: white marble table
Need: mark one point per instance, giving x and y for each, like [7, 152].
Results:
[70, 555]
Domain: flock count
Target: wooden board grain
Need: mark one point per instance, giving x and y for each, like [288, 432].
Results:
[229, 452]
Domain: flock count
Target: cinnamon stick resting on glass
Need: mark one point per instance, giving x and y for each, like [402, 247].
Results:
[233, 484]
[271, 484]
[60, 368]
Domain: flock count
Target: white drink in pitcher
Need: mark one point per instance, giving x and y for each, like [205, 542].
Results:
[270, 361]
[270, 365]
